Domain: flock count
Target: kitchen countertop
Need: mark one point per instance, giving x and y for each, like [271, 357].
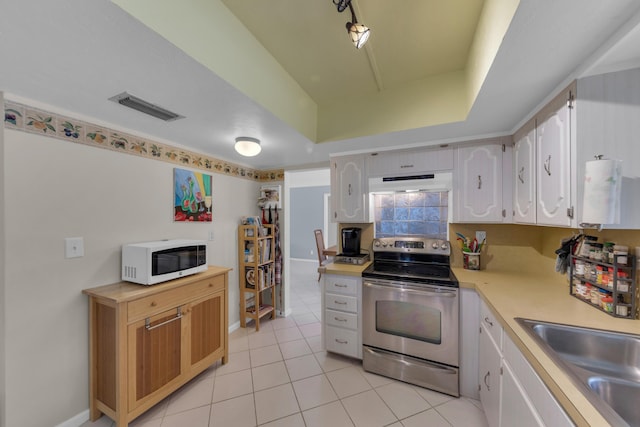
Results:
[127, 291]
[344, 269]
[543, 297]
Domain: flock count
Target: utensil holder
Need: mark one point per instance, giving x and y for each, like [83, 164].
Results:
[471, 260]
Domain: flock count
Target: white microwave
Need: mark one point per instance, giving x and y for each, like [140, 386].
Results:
[149, 263]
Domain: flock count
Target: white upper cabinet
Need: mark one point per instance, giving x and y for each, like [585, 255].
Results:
[478, 188]
[349, 189]
[410, 162]
[553, 140]
[544, 173]
[524, 177]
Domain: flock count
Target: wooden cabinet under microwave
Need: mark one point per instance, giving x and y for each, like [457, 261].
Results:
[146, 342]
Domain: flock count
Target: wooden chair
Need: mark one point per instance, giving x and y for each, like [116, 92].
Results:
[322, 258]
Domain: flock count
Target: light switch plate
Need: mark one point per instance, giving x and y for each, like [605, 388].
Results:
[481, 236]
[73, 247]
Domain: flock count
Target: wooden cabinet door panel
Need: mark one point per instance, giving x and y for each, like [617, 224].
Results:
[207, 328]
[155, 354]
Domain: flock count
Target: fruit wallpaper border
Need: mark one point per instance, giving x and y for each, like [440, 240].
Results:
[33, 120]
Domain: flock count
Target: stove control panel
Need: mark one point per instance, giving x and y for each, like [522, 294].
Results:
[412, 244]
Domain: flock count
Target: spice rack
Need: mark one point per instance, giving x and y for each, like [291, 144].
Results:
[618, 283]
[256, 252]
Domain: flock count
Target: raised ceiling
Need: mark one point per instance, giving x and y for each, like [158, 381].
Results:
[410, 40]
[197, 58]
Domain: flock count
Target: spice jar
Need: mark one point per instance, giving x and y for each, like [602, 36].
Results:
[620, 254]
[592, 272]
[607, 304]
[595, 253]
[602, 294]
[595, 296]
[599, 273]
[607, 252]
[622, 310]
[579, 267]
[585, 247]
[607, 277]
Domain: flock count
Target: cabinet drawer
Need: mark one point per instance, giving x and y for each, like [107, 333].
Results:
[491, 324]
[341, 302]
[341, 284]
[153, 304]
[343, 341]
[343, 320]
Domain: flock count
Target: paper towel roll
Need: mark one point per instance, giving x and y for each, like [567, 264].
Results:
[602, 187]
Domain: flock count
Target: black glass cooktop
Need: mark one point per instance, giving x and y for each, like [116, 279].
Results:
[414, 272]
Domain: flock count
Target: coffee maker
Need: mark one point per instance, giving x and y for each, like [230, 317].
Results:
[351, 247]
[351, 241]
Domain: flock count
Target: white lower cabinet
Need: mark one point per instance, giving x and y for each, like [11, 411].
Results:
[489, 360]
[469, 317]
[547, 408]
[512, 394]
[515, 408]
[342, 314]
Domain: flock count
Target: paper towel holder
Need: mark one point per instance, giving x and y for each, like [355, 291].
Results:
[614, 192]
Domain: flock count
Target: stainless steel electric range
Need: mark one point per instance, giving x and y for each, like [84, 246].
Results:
[410, 313]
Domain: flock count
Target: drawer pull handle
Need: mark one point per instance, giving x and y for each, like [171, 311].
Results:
[486, 319]
[147, 321]
[487, 375]
[211, 285]
[337, 285]
[341, 341]
[547, 165]
[340, 319]
[339, 302]
[153, 303]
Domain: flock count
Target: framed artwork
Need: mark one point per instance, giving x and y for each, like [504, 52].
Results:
[270, 197]
[192, 197]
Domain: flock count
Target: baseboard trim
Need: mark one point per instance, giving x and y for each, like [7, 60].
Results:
[284, 313]
[77, 420]
[234, 326]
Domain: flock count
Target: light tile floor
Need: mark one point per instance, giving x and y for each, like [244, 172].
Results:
[282, 377]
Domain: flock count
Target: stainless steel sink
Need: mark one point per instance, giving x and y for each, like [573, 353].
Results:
[604, 365]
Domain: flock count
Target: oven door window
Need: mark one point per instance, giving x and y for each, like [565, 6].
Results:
[409, 320]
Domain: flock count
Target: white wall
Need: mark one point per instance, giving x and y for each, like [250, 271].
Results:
[2, 281]
[295, 179]
[56, 189]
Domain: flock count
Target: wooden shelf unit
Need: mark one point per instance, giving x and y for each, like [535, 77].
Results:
[256, 254]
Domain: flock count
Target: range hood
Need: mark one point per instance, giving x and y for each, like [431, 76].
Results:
[441, 181]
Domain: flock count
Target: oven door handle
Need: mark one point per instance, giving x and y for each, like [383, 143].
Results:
[424, 291]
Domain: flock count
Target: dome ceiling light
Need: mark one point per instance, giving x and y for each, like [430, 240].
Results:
[247, 146]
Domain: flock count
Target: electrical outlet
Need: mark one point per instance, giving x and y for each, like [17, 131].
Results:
[73, 247]
[481, 236]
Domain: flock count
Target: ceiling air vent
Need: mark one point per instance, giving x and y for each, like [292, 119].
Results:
[143, 106]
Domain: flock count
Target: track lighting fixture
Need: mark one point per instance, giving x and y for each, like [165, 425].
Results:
[358, 33]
